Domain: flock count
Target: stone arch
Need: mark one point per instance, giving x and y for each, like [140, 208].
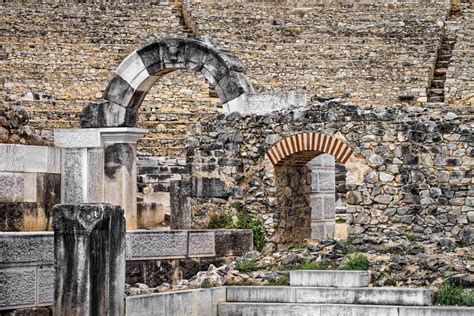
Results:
[304, 179]
[138, 72]
[299, 149]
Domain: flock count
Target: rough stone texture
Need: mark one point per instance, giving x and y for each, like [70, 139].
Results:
[149, 244]
[24, 248]
[233, 242]
[93, 285]
[201, 244]
[180, 217]
[426, 152]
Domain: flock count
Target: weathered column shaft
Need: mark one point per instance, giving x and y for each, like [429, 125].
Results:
[180, 191]
[89, 250]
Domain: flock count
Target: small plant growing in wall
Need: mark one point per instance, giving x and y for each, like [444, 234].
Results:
[244, 221]
[220, 221]
[356, 261]
[246, 265]
[308, 265]
[451, 294]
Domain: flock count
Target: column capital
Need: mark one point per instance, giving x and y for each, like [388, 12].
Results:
[96, 137]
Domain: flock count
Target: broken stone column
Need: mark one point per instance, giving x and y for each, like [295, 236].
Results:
[322, 197]
[99, 165]
[180, 192]
[89, 259]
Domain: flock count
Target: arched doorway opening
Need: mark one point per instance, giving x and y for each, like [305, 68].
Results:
[305, 185]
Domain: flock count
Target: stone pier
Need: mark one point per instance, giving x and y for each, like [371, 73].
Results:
[89, 251]
[99, 165]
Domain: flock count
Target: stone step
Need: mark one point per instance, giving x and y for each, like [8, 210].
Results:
[436, 92]
[325, 295]
[437, 83]
[285, 309]
[441, 70]
[436, 99]
[329, 278]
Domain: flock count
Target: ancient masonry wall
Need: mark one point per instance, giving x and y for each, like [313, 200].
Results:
[57, 57]
[367, 52]
[411, 171]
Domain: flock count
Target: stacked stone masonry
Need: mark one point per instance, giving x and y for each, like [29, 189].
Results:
[56, 57]
[410, 172]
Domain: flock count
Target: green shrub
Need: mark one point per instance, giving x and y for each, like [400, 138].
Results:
[356, 261]
[340, 220]
[308, 265]
[244, 221]
[451, 294]
[394, 250]
[220, 221]
[412, 237]
[247, 282]
[246, 265]
[281, 281]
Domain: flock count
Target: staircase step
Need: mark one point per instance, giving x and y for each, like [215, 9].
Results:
[435, 99]
[325, 295]
[441, 71]
[436, 92]
[437, 83]
[286, 309]
[331, 278]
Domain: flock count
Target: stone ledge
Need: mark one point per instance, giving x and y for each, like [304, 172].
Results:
[28, 158]
[244, 309]
[324, 295]
[329, 278]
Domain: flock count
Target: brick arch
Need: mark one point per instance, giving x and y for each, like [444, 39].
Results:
[299, 149]
[138, 72]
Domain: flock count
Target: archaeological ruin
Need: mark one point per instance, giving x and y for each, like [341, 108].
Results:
[244, 157]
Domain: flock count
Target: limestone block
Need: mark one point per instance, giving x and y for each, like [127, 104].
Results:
[329, 278]
[95, 176]
[150, 215]
[45, 285]
[74, 173]
[316, 202]
[232, 86]
[11, 158]
[156, 244]
[23, 248]
[262, 103]
[318, 231]
[77, 137]
[233, 242]
[208, 187]
[17, 187]
[180, 217]
[327, 181]
[201, 244]
[108, 113]
[25, 216]
[89, 259]
[18, 286]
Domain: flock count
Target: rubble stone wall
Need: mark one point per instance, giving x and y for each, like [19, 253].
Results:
[410, 173]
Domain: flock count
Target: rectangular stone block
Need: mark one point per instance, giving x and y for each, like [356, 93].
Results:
[251, 309]
[180, 207]
[19, 248]
[208, 187]
[364, 296]
[233, 242]
[25, 216]
[264, 294]
[150, 216]
[77, 137]
[201, 244]
[435, 311]
[317, 206]
[262, 103]
[18, 287]
[45, 289]
[329, 206]
[359, 310]
[327, 181]
[11, 158]
[48, 188]
[329, 278]
[155, 244]
[74, 175]
[95, 175]
[318, 231]
[28, 158]
[196, 302]
[12, 187]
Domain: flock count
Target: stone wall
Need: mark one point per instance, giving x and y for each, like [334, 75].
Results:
[459, 87]
[376, 52]
[30, 184]
[410, 173]
[56, 57]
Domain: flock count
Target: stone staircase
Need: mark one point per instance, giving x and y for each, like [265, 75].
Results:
[435, 92]
[332, 293]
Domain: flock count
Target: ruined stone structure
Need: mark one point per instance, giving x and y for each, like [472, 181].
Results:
[287, 111]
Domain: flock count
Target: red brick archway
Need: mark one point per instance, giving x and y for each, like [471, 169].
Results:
[299, 149]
